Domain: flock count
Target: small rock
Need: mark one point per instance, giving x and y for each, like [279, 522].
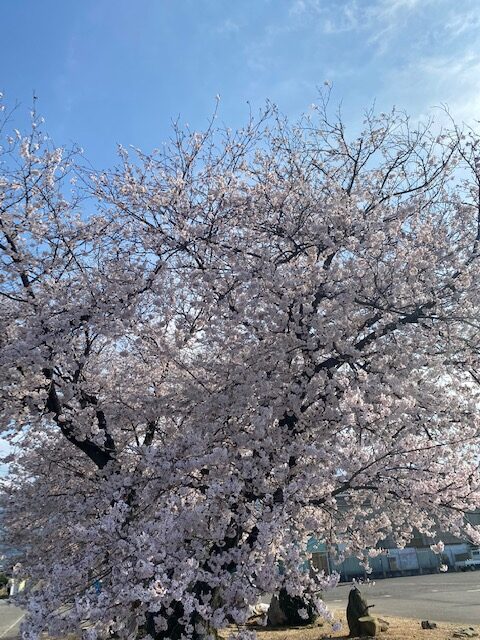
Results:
[467, 632]
[258, 609]
[426, 624]
[369, 626]
[383, 624]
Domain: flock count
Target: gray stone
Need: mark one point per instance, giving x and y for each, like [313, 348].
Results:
[426, 624]
[467, 632]
[275, 616]
[369, 626]
[357, 608]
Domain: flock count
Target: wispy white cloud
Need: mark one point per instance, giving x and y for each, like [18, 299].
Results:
[301, 7]
[460, 22]
[416, 54]
[228, 26]
[443, 80]
[387, 20]
[359, 15]
[392, 7]
[378, 19]
[422, 53]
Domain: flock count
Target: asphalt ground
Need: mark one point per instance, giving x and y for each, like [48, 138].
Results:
[10, 618]
[448, 597]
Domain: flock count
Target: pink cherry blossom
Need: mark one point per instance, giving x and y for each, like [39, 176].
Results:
[215, 351]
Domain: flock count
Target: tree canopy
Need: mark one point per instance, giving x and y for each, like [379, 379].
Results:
[216, 350]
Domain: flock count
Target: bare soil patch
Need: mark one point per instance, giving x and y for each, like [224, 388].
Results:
[400, 629]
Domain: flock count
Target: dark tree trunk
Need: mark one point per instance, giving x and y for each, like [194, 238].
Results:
[176, 626]
[291, 605]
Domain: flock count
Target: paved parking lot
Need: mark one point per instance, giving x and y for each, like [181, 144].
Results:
[449, 597]
[10, 618]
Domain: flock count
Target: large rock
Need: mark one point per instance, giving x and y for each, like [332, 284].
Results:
[291, 611]
[275, 616]
[360, 622]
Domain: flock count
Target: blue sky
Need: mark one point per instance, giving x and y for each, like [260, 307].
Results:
[109, 71]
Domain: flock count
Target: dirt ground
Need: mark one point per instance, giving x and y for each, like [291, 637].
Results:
[400, 629]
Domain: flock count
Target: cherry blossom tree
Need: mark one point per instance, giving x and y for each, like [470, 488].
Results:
[214, 351]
